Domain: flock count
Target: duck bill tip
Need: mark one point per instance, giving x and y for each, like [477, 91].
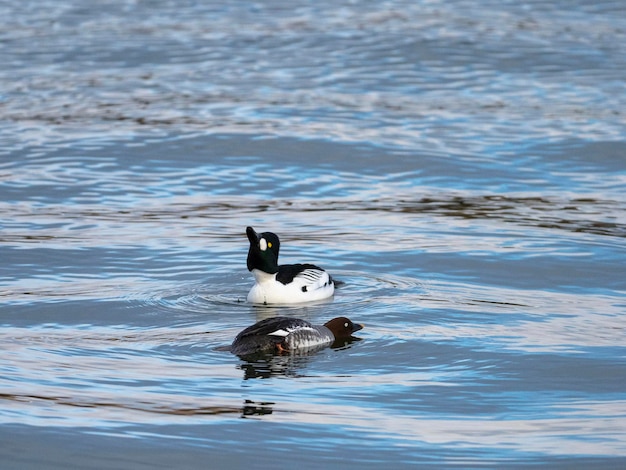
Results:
[252, 235]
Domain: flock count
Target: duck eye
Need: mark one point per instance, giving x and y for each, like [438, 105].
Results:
[269, 244]
[346, 325]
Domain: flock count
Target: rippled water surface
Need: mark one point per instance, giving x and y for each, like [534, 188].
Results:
[460, 166]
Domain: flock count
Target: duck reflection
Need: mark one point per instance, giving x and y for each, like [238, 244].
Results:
[252, 408]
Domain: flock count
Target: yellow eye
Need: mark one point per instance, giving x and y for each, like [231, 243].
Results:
[269, 244]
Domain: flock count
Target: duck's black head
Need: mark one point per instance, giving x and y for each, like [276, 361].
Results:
[342, 327]
[263, 252]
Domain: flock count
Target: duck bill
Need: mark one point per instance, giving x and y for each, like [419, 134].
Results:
[253, 237]
[356, 327]
[254, 253]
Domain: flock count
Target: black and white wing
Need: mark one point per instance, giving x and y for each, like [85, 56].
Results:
[278, 327]
[307, 276]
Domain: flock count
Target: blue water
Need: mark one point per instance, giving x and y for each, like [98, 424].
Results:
[460, 166]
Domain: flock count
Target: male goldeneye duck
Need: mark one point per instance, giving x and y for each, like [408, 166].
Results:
[280, 334]
[286, 284]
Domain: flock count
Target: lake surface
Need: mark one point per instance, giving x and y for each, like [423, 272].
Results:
[460, 166]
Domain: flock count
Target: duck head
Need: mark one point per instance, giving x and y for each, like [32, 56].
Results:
[342, 327]
[263, 252]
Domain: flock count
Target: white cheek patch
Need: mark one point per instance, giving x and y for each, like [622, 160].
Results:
[263, 244]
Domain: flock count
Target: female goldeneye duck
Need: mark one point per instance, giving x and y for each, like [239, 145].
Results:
[286, 284]
[280, 334]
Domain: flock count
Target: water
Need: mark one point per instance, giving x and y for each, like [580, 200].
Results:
[459, 165]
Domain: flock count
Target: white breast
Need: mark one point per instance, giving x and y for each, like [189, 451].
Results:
[308, 286]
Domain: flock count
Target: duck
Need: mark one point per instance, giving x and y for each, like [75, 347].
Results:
[293, 335]
[285, 284]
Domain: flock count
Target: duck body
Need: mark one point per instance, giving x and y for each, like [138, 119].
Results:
[280, 334]
[286, 284]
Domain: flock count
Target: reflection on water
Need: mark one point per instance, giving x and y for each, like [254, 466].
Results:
[460, 169]
[273, 365]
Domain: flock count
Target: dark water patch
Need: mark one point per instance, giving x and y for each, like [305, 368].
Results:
[532, 211]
